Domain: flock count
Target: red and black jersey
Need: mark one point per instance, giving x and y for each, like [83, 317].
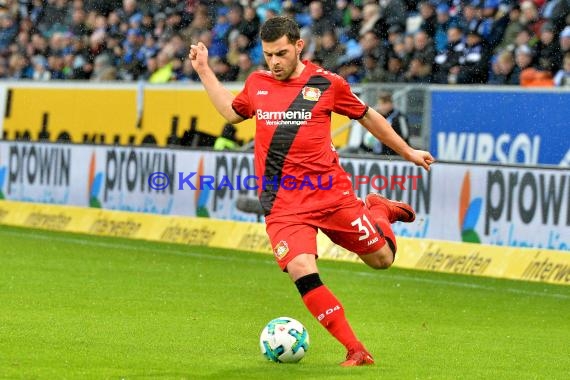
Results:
[294, 155]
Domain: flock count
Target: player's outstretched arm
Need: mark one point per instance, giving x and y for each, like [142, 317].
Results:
[383, 131]
[220, 96]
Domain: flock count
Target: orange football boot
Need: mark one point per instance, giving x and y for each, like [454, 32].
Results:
[357, 358]
[397, 211]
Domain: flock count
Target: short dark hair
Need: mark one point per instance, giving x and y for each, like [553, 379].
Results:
[385, 97]
[277, 27]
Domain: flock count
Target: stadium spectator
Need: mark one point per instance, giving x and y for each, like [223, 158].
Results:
[497, 20]
[475, 19]
[18, 67]
[227, 140]
[395, 33]
[8, 31]
[263, 7]
[395, 70]
[219, 47]
[252, 23]
[237, 24]
[224, 70]
[331, 50]
[103, 70]
[56, 66]
[504, 71]
[373, 71]
[524, 57]
[245, 67]
[398, 121]
[174, 22]
[562, 77]
[370, 45]
[548, 50]
[447, 64]
[148, 50]
[532, 77]
[159, 24]
[147, 23]
[103, 7]
[294, 217]
[133, 60]
[54, 17]
[531, 18]
[21, 43]
[424, 48]
[39, 68]
[352, 70]
[525, 38]
[560, 12]
[164, 72]
[352, 30]
[394, 12]
[129, 9]
[408, 49]
[238, 44]
[84, 29]
[201, 23]
[320, 23]
[565, 41]
[114, 26]
[187, 73]
[514, 26]
[35, 11]
[490, 8]
[373, 21]
[419, 71]
[474, 64]
[428, 18]
[77, 25]
[444, 21]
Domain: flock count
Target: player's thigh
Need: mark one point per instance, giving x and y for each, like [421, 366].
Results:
[292, 237]
[353, 228]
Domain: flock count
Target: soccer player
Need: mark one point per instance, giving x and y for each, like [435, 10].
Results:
[292, 103]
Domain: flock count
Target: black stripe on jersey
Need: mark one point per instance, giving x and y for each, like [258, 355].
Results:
[282, 141]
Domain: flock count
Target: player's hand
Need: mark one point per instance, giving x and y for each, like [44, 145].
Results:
[421, 158]
[199, 56]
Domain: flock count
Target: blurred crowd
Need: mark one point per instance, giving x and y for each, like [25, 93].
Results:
[507, 42]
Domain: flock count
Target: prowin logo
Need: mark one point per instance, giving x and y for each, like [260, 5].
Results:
[297, 117]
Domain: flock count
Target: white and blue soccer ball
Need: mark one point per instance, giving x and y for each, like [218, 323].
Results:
[284, 340]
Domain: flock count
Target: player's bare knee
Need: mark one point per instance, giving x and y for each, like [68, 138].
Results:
[381, 259]
[384, 258]
[384, 261]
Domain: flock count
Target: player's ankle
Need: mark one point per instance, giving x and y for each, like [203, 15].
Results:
[355, 346]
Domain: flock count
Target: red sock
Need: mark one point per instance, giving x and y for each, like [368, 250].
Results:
[380, 214]
[329, 312]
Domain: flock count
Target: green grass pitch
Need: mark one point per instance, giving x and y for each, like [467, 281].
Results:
[81, 307]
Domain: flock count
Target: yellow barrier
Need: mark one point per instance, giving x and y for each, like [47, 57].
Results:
[440, 256]
[110, 115]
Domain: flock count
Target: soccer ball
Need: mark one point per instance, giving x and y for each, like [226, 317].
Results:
[284, 340]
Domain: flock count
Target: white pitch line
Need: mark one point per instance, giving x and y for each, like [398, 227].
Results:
[374, 274]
